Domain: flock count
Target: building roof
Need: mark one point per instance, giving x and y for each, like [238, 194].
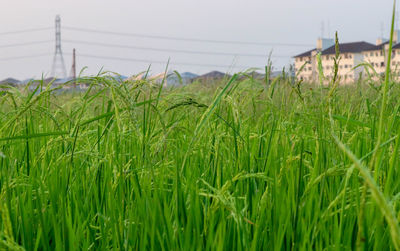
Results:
[355, 47]
[10, 81]
[213, 75]
[396, 46]
[305, 54]
[377, 47]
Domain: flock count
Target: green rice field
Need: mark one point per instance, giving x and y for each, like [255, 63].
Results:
[241, 164]
[235, 164]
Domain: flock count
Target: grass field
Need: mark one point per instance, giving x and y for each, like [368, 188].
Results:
[240, 164]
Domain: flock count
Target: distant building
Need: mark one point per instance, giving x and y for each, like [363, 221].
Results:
[305, 64]
[170, 78]
[376, 56]
[10, 81]
[396, 58]
[351, 55]
[211, 76]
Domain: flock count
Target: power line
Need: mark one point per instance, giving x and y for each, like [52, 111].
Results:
[25, 44]
[170, 50]
[182, 38]
[24, 57]
[157, 62]
[24, 31]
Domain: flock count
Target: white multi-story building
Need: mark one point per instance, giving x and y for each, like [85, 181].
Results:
[305, 64]
[376, 56]
[351, 55]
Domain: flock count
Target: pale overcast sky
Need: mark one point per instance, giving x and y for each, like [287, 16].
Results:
[260, 21]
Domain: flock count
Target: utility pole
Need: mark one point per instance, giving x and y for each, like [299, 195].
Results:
[73, 68]
[58, 67]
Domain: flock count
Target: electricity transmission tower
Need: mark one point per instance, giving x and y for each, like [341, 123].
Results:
[58, 67]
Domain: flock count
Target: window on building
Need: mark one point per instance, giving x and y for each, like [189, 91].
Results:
[381, 53]
[309, 68]
[376, 54]
[371, 54]
[382, 64]
[345, 66]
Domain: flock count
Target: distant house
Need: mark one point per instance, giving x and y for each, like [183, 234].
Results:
[351, 55]
[140, 76]
[188, 75]
[376, 56]
[211, 76]
[396, 58]
[305, 64]
[10, 81]
[168, 79]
